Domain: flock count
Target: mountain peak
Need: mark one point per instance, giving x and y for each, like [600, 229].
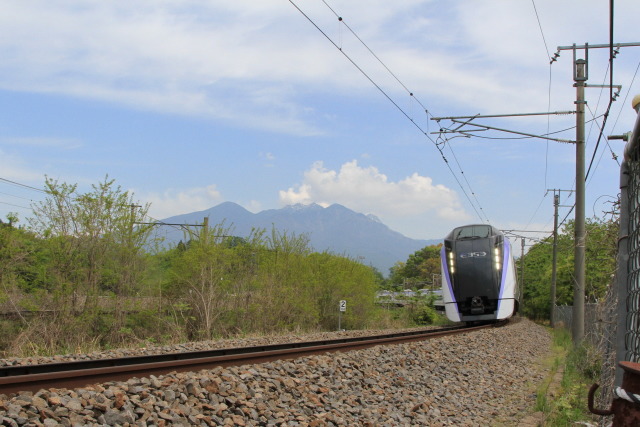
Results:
[372, 217]
[303, 207]
[336, 228]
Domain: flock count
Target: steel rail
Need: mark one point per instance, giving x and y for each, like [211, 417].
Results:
[14, 379]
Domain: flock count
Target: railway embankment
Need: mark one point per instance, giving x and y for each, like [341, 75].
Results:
[479, 378]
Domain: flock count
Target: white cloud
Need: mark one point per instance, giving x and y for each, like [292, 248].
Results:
[256, 63]
[173, 202]
[367, 190]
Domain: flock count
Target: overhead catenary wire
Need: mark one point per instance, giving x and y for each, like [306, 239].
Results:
[507, 138]
[465, 178]
[14, 205]
[544, 40]
[537, 209]
[535, 9]
[601, 133]
[22, 185]
[612, 55]
[341, 20]
[624, 103]
[17, 197]
[385, 94]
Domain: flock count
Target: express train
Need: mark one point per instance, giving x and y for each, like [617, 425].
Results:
[478, 275]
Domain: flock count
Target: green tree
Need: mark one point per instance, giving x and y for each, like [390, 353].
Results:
[421, 269]
[200, 278]
[94, 242]
[92, 248]
[601, 246]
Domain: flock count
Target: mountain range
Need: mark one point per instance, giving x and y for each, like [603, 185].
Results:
[336, 229]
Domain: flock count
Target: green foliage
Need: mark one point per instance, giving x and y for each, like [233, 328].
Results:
[419, 269]
[82, 277]
[424, 314]
[581, 369]
[601, 245]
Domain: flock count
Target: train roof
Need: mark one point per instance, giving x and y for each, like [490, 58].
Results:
[473, 230]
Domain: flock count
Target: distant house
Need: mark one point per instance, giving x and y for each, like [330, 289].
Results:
[384, 294]
[425, 292]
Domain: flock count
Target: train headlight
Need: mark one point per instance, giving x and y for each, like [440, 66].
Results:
[452, 262]
[497, 259]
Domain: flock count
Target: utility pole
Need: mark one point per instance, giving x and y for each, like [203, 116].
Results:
[133, 217]
[522, 272]
[556, 202]
[580, 76]
[554, 262]
[205, 229]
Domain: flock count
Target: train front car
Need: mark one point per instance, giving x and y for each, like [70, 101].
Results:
[479, 280]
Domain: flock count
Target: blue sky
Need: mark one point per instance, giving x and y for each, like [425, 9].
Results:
[192, 103]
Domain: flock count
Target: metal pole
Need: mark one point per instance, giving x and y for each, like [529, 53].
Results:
[579, 265]
[522, 273]
[556, 202]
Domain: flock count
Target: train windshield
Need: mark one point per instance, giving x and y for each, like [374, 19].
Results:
[473, 232]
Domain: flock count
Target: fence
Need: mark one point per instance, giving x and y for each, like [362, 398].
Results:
[563, 315]
[613, 327]
[628, 271]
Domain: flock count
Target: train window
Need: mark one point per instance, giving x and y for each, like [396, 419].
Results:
[473, 231]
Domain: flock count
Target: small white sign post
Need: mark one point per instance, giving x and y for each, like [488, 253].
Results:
[343, 308]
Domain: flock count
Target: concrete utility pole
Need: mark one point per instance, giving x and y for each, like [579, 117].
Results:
[205, 230]
[522, 273]
[554, 261]
[580, 76]
[556, 202]
[133, 217]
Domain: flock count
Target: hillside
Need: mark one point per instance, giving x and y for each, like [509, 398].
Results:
[336, 229]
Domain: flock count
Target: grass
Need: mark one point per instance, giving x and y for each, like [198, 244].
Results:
[565, 403]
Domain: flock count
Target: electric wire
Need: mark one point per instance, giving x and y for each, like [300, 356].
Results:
[540, 25]
[14, 205]
[544, 40]
[536, 211]
[17, 197]
[505, 138]
[465, 178]
[22, 185]
[625, 98]
[18, 184]
[611, 97]
[601, 128]
[373, 54]
[341, 21]
[595, 150]
[384, 93]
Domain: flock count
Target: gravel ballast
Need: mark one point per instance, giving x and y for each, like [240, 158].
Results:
[479, 378]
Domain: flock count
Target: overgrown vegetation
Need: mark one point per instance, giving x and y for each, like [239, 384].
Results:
[564, 404]
[601, 241]
[421, 270]
[82, 277]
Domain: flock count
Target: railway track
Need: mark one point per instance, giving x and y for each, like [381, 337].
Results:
[14, 379]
